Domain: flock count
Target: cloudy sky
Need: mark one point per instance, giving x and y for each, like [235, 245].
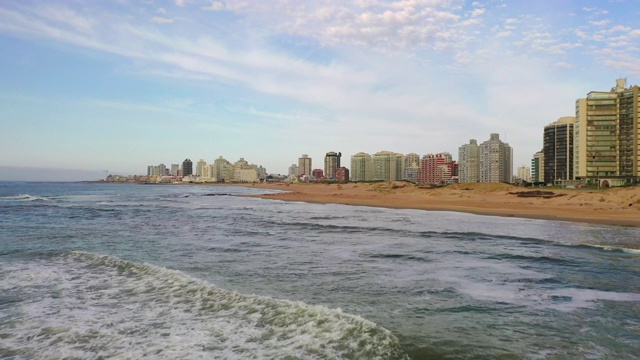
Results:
[114, 86]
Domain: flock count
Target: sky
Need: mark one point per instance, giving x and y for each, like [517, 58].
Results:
[89, 88]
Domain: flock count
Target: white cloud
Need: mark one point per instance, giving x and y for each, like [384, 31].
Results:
[563, 65]
[477, 12]
[161, 20]
[215, 6]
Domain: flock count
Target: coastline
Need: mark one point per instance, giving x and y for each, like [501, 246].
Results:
[613, 206]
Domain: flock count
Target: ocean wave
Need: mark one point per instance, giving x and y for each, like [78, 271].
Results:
[23, 197]
[612, 248]
[97, 305]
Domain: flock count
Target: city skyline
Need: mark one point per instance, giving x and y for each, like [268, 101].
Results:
[96, 87]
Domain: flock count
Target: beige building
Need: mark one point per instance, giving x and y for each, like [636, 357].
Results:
[361, 167]
[304, 165]
[222, 170]
[387, 166]
[200, 166]
[469, 162]
[537, 167]
[607, 145]
[524, 173]
[496, 160]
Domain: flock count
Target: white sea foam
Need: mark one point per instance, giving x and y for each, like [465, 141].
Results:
[84, 305]
[23, 197]
[511, 284]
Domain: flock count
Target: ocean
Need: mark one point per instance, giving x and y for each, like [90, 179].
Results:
[107, 271]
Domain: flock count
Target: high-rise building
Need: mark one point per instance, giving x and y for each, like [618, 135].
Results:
[524, 173]
[411, 167]
[162, 170]
[607, 142]
[469, 160]
[429, 172]
[200, 166]
[537, 167]
[558, 150]
[304, 165]
[411, 173]
[223, 170]
[293, 171]
[387, 166]
[361, 167]
[245, 172]
[187, 167]
[331, 163]
[175, 168]
[496, 160]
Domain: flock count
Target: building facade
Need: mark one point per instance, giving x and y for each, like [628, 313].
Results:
[342, 174]
[222, 170]
[304, 165]
[558, 150]
[469, 162]
[317, 174]
[331, 164]
[361, 167]
[200, 168]
[430, 171]
[537, 167]
[496, 160]
[187, 167]
[608, 135]
[387, 166]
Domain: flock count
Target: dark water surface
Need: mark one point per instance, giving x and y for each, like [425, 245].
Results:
[184, 272]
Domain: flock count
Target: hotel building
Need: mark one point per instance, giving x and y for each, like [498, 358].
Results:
[607, 146]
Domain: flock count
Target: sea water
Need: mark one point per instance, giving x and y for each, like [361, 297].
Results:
[197, 272]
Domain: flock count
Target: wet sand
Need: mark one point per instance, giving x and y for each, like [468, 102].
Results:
[614, 206]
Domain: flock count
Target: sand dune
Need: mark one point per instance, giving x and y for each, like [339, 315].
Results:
[614, 206]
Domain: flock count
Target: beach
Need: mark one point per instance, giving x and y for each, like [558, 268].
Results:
[611, 206]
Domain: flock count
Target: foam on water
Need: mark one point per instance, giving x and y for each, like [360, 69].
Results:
[22, 197]
[83, 305]
[506, 283]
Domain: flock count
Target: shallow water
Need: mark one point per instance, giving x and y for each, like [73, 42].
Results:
[131, 271]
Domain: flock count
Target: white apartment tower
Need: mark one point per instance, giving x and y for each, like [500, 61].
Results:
[496, 160]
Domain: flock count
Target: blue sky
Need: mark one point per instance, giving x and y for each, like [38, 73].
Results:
[115, 86]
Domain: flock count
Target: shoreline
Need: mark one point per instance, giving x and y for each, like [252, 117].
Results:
[613, 206]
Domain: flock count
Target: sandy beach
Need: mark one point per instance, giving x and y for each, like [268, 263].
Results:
[613, 206]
